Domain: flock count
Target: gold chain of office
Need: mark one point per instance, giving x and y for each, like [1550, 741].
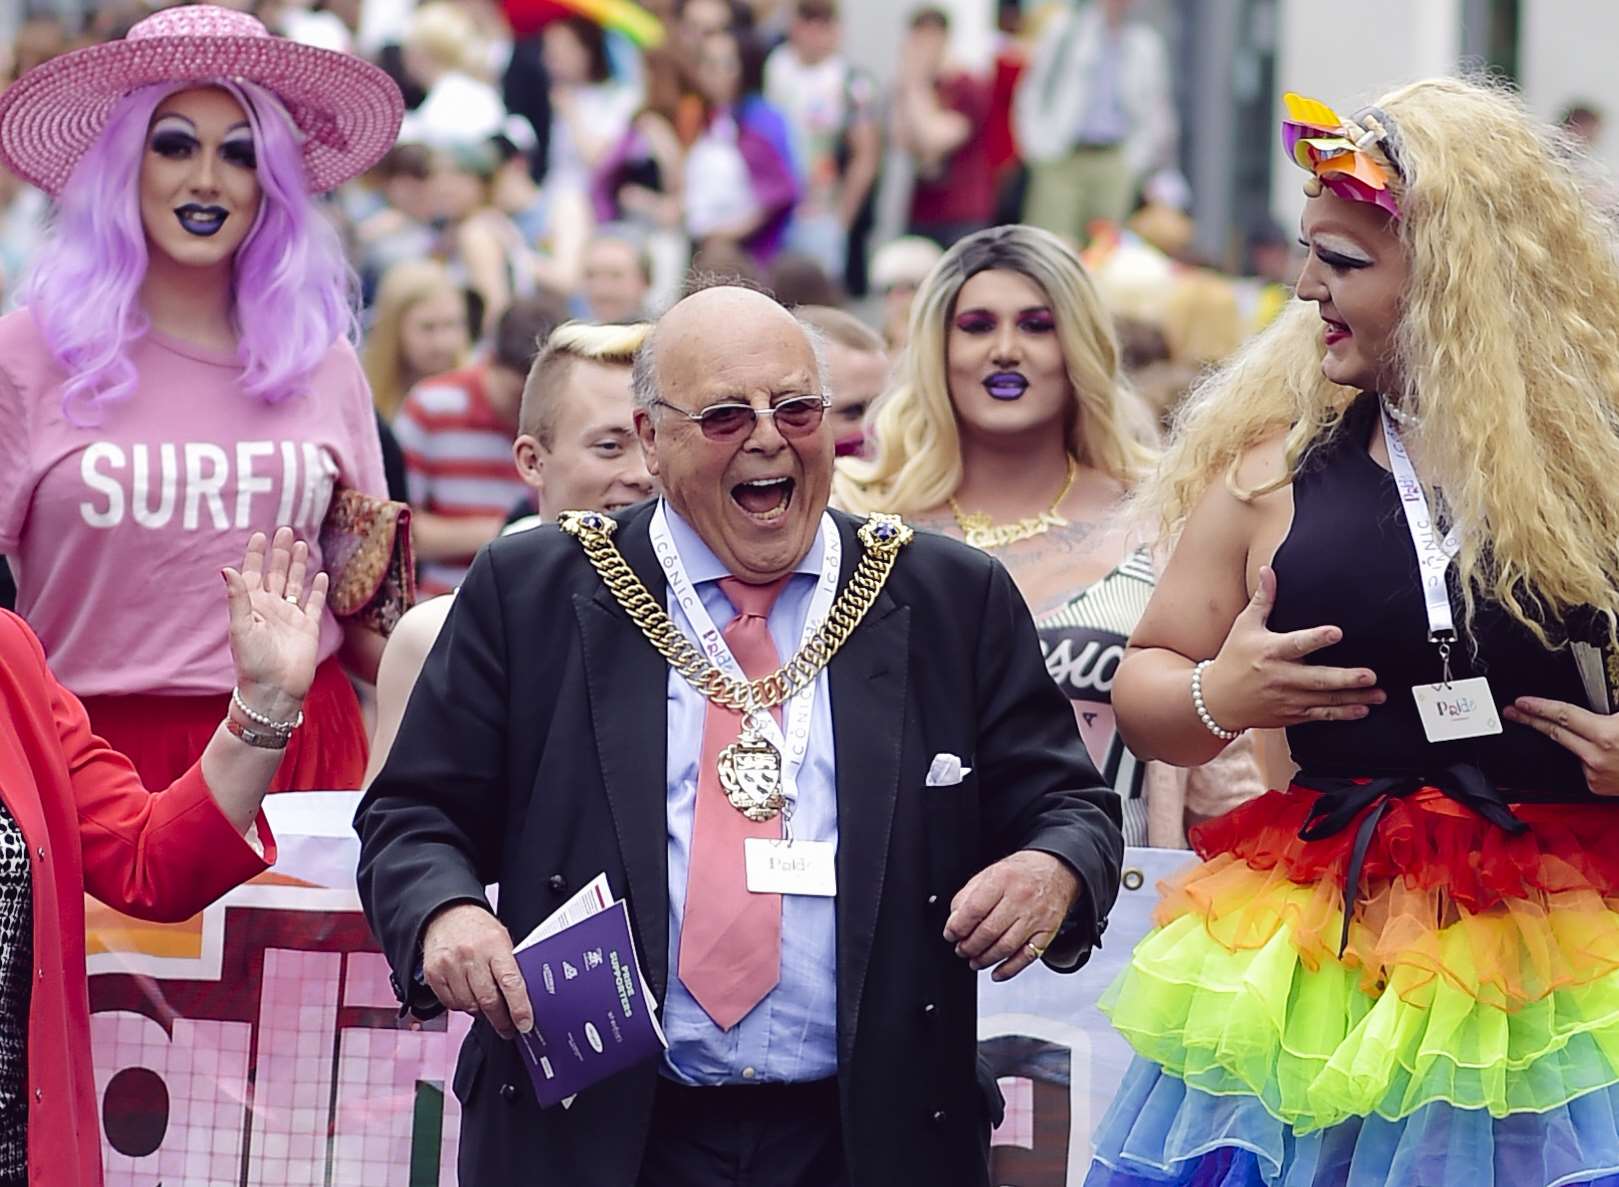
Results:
[883, 536]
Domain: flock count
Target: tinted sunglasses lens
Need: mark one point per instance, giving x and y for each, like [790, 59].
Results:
[725, 421]
[797, 417]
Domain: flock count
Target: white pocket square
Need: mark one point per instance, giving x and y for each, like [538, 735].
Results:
[946, 771]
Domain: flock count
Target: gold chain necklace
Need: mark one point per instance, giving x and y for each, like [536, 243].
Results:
[749, 768]
[981, 531]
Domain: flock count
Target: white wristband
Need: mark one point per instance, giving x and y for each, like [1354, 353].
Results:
[1209, 723]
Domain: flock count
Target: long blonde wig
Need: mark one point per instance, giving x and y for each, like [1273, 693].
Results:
[917, 465]
[404, 286]
[1507, 347]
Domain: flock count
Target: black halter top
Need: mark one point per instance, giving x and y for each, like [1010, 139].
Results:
[1348, 561]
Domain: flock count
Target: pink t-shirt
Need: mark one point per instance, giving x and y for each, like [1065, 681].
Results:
[117, 532]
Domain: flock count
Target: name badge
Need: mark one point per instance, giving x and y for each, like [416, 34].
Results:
[791, 867]
[1461, 709]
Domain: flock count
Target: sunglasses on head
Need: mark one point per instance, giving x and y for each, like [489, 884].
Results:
[796, 416]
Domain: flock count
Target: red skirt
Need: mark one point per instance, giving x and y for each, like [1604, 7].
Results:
[164, 735]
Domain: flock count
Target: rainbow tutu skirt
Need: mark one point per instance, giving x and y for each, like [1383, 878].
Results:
[1463, 1031]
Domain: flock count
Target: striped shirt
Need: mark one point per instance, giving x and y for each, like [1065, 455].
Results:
[458, 460]
[1083, 641]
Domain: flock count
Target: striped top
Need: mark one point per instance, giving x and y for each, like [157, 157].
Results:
[458, 460]
[1083, 641]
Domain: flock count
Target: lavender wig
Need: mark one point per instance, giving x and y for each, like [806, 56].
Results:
[293, 290]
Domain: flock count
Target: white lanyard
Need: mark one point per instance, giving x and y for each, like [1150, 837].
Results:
[795, 745]
[1433, 554]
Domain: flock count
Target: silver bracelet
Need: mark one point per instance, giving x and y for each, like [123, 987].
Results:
[253, 736]
[1209, 723]
[269, 723]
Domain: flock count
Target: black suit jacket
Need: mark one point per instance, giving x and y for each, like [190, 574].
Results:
[532, 754]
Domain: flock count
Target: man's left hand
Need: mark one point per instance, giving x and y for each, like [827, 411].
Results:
[1009, 912]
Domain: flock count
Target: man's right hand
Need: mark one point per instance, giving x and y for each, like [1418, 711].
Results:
[1260, 680]
[468, 963]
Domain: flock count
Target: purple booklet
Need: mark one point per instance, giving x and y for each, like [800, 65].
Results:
[593, 1015]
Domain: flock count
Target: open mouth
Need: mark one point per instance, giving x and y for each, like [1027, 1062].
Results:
[764, 499]
[1336, 331]
[1006, 385]
[202, 221]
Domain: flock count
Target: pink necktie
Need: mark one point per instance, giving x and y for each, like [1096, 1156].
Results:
[730, 940]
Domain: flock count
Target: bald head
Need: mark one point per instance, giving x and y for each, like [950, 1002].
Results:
[712, 323]
[753, 491]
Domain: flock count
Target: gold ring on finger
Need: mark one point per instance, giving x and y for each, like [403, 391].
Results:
[1035, 949]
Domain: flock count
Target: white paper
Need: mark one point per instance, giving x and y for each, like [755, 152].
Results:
[791, 867]
[1460, 709]
[591, 899]
[1593, 676]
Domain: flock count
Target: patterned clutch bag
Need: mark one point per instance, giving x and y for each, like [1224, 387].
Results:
[365, 542]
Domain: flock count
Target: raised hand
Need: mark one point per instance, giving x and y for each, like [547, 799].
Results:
[1259, 679]
[1593, 738]
[275, 623]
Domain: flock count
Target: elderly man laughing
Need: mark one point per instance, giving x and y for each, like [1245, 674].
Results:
[881, 691]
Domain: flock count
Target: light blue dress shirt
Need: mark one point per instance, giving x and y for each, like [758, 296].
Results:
[791, 1035]
[1104, 120]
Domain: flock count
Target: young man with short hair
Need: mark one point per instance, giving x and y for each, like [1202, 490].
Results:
[575, 450]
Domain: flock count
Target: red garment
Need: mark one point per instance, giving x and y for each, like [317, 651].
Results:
[965, 191]
[1428, 841]
[162, 735]
[1000, 144]
[528, 17]
[91, 826]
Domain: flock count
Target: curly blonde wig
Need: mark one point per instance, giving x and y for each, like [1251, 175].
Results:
[1508, 351]
[917, 465]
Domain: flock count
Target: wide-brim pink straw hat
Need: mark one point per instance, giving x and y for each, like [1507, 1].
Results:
[348, 110]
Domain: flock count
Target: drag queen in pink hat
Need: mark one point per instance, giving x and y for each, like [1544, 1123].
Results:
[182, 373]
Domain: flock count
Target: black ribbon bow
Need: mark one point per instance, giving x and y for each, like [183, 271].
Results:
[1343, 799]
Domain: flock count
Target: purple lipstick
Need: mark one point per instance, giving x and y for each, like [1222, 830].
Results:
[1006, 385]
[202, 221]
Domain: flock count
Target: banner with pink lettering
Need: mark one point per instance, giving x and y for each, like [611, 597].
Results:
[259, 1045]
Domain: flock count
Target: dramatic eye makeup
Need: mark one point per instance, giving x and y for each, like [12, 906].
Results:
[1030, 321]
[1336, 254]
[173, 137]
[239, 150]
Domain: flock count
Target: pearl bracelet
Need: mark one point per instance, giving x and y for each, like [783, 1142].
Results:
[1209, 723]
[269, 723]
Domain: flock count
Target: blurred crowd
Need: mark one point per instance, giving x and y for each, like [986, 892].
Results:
[586, 159]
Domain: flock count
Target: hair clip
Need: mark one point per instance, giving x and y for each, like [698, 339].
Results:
[1353, 158]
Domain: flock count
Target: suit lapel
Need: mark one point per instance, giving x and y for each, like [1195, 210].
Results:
[868, 686]
[627, 682]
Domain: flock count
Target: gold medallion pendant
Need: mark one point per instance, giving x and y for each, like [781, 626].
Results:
[750, 773]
